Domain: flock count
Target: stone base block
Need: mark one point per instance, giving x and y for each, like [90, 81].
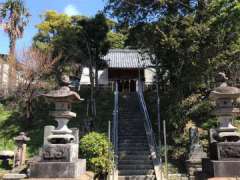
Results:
[87, 176]
[14, 176]
[60, 152]
[58, 169]
[215, 168]
[194, 169]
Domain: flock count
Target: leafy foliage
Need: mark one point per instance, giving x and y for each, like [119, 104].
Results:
[95, 148]
[16, 17]
[189, 41]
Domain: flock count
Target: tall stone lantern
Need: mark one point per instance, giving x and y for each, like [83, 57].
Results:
[225, 97]
[20, 153]
[59, 156]
[224, 142]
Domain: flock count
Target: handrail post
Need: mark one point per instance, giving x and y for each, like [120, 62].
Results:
[150, 134]
[115, 131]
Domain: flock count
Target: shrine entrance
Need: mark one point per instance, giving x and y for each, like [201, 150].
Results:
[127, 86]
[126, 78]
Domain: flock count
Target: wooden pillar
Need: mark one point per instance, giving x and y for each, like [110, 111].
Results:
[129, 86]
[112, 86]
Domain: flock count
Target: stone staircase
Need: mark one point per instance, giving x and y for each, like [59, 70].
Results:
[134, 156]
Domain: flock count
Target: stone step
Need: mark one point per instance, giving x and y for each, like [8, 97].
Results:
[131, 116]
[143, 177]
[134, 162]
[132, 141]
[140, 152]
[133, 144]
[136, 123]
[130, 133]
[134, 115]
[133, 157]
[135, 111]
[129, 121]
[134, 166]
[133, 148]
[132, 127]
[136, 172]
[133, 136]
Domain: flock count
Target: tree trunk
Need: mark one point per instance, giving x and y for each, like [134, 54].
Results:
[80, 76]
[29, 113]
[96, 77]
[92, 98]
[91, 76]
[12, 66]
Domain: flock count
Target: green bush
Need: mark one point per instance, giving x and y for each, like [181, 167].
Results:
[95, 148]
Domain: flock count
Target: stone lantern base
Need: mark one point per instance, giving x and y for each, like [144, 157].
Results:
[58, 169]
[221, 168]
[58, 160]
[194, 168]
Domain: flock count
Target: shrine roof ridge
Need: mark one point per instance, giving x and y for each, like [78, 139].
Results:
[127, 58]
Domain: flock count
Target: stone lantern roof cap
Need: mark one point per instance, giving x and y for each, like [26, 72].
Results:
[63, 94]
[22, 137]
[225, 91]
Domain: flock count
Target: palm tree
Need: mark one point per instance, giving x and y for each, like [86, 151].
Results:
[15, 16]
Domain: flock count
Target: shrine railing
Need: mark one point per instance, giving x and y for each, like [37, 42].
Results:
[114, 137]
[150, 134]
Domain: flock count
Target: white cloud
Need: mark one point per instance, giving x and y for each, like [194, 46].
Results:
[71, 10]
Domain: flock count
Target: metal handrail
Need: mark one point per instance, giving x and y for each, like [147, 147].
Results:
[115, 130]
[150, 134]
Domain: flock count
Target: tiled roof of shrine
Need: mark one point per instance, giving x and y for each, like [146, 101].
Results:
[127, 58]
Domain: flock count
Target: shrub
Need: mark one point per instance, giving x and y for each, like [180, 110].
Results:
[95, 148]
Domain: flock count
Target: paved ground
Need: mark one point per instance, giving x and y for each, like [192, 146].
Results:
[226, 178]
[87, 176]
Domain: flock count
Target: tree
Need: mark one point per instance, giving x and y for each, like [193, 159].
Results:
[116, 40]
[16, 16]
[185, 36]
[190, 40]
[57, 33]
[92, 40]
[82, 42]
[35, 67]
[116, 36]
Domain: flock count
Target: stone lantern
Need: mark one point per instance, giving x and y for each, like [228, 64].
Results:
[224, 142]
[20, 154]
[225, 97]
[59, 156]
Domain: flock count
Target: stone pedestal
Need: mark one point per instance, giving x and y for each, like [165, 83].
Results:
[59, 161]
[196, 153]
[14, 176]
[225, 151]
[58, 169]
[224, 141]
[59, 155]
[218, 168]
[20, 153]
[194, 168]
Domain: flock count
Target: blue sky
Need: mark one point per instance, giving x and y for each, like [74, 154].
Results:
[37, 7]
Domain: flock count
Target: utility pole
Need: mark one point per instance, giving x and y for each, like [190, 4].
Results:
[165, 148]
[158, 108]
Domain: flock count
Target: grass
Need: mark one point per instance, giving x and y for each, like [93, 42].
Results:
[5, 143]
[13, 122]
